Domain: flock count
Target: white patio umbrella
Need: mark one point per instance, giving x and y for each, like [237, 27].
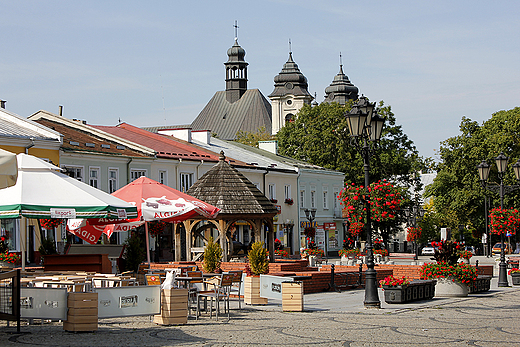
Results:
[41, 191]
[8, 169]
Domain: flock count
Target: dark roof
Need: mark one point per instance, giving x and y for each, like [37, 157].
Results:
[226, 188]
[290, 81]
[77, 140]
[226, 119]
[155, 129]
[341, 89]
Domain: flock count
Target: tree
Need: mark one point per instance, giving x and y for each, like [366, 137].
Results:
[459, 196]
[251, 139]
[319, 135]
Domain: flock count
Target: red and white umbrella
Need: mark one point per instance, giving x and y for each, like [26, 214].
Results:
[154, 201]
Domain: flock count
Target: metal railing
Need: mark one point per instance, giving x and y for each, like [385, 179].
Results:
[10, 297]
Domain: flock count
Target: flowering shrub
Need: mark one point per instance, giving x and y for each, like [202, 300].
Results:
[465, 255]
[462, 273]
[385, 200]
[348, 243]
[503, 221]
[392, 281]
[347, 252]
[282, 253]
[447, 251]
[314, 251]
[383, 252]
[50, 223]
[156, 227]
[414, 233]
[9, 257]
[4, 248]
[514, 271]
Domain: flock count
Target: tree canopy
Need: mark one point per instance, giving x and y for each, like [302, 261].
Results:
[319, 135]
[458, 194]
[251, 139]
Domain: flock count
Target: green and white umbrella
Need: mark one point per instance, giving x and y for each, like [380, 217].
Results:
[41, 191]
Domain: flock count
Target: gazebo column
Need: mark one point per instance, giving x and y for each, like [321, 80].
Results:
[270, 242]
[177, 240]
[223, 243]
[189, 241]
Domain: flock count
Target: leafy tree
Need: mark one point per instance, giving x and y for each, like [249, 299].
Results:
[134, 252]
[459, 196]
[251, 139]
[319, 135]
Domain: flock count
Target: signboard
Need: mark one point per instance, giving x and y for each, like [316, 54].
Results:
[43, 303]
[332, 235]
[320, 237]
[128, 301]
[63, 213]
[304, 225]
[271, 286]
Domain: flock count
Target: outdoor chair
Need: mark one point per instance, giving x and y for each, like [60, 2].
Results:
[219, 292]
[237, 284]
[194, 286]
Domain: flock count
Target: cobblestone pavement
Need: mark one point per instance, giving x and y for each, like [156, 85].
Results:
[330, 319]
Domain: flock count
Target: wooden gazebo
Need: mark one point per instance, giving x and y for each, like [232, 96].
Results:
[238, 200]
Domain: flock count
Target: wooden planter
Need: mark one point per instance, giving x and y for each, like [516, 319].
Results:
[416, 290]
[252, 291]
[516, 279]
[292, 296]
[82, 313]
[174, 307]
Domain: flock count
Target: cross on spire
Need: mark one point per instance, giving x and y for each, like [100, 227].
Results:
[236, 30]
[290, 48]
[340, 60]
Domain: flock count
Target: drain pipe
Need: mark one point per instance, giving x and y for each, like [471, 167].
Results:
[30, 146]
[128, 170]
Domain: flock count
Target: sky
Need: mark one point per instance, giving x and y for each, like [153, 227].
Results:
[151, 63]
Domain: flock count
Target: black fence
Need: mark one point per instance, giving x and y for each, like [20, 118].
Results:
[10, 297]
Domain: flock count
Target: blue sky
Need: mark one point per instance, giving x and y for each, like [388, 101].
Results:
[159, 62]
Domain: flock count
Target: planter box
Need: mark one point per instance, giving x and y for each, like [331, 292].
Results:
[252, 291]
[82, 312]
[448, 288]
[416, 290]
[174, 307]
[292, 296]
[482, 284]
[516, 279]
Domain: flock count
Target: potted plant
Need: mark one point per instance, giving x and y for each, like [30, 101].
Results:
[212, 256]
[399, 290]
[7, 258]
[47, 247]
[134, 252]
[289, 201]
[465, 255]
[515, 275]
[258, 265]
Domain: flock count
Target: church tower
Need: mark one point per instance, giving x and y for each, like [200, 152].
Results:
[341, 89]
[236, 73]
[289, 95]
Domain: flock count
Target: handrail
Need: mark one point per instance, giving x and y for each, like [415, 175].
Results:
[10, 293]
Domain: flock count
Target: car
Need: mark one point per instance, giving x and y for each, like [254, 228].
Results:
[471, 249]
[428, 250]
[497, 248]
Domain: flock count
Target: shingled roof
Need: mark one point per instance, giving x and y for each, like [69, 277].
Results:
[249, 113]
[226, 188]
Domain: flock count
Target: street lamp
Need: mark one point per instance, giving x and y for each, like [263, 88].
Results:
[365, 127]
[483, 171]
[412, 215]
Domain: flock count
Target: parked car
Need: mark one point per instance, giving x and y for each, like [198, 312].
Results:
[428, 250]
[471, 249]
[497, 248]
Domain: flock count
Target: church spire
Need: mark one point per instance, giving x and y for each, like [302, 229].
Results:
[236, 71]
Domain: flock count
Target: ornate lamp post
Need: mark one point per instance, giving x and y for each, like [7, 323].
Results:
[310, 215]
[412, 215]
[483, 171]
[365, 127]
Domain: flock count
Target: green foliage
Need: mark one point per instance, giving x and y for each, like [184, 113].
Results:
[319, 135]
[251, 139]
[47, 247]
[459, 196]
[258, 259]
[212, 256]
[134, 252]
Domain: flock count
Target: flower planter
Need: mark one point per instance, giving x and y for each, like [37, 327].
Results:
[252, 291]
[446, 287]
[516, 279]
[6, 264]
[482, 284]
[414, 291]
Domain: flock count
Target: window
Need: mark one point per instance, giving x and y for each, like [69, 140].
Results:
[94, 177]
[325, 199]
[136, 173]
[313, 197]
[75, 172]
[8, 230]
[302, 197]
[336, 201]
[186, 181]
[287, 191]
[272, 192]
[163, 177]
[113, 180]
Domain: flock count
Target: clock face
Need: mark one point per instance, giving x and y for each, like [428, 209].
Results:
[289, 102]
[289, 85]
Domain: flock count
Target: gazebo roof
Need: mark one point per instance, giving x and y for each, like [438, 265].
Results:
[226, 188]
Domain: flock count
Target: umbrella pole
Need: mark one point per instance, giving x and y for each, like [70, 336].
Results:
[23, 236]
[147, 242]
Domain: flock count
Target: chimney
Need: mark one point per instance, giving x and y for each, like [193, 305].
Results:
[203, 136]
[2, 103]
[61, 110]
[270, 146]
[180, 133]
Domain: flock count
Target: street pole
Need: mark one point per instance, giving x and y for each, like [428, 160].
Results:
[502, 266]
